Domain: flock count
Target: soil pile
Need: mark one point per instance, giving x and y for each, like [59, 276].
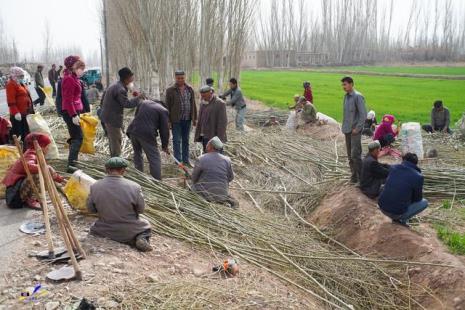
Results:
[356, 221]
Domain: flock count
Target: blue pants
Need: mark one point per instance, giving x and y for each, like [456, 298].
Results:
[414, 209]
[181, 132]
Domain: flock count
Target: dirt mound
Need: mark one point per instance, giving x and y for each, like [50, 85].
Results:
[356, 221]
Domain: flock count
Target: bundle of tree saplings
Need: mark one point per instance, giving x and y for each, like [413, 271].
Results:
[290, 249]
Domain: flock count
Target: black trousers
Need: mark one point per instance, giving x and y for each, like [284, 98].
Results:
[75, 140]
[41, 95]
[19, 128]
[54, 88]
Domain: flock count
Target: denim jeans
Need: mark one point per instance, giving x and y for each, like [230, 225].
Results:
[181, 132]
[240, 119]
[414, 209]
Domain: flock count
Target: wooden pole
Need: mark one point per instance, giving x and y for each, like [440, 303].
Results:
[48, 231]
[60, 218]
[26, 167]
[56, 199]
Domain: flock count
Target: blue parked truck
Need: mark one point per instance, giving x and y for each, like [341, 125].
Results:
[92, 75]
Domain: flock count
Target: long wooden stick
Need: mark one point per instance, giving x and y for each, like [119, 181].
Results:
[56, 198]
[60, 217]
[26, 167]
[48, 231]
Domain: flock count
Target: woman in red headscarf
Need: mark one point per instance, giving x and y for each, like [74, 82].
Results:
[386, 135]
[71, 105]
[19, 191]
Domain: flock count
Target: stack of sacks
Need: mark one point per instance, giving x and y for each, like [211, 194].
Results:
[412, 142]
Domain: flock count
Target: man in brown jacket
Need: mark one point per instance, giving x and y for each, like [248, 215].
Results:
[212, 118]
[118, 203]
[180, 102]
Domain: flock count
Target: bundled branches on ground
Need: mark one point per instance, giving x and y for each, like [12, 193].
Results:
[259, 118]
[287, 249]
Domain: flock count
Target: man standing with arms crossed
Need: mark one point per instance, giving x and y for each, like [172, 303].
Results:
[180, 102]
[352, 125]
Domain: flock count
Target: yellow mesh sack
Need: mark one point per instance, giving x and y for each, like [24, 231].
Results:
[8, 156]
[89, 130]
[38, 124]
[77, 190]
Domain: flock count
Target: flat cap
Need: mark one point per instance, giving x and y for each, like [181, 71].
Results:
[179, 72]
[205, 89]
[302, 99]
[209, 81]
[374, 145]
[116, 163]
[216, 143]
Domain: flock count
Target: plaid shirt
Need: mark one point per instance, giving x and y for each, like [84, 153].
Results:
[185, 104]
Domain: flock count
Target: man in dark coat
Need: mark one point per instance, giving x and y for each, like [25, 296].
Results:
[402, 196]
[212, 120]
[180, 102]
[374, 173]
[151, 120]
[39, 81]
[114, 101]
[52, 78]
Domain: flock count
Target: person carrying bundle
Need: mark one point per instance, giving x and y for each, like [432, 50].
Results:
[308, 113]
[118, 203]
[19, 191]
[212, 174]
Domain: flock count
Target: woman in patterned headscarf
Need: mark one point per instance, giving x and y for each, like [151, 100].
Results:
[71, 106]
[19, 102]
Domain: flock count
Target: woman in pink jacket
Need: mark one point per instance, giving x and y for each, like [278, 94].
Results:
[72, 106]
[386, 135]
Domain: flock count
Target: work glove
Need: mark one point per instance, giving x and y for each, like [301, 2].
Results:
[76, 120]
[18, 117]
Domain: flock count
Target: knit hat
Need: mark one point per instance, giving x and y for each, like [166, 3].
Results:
[70, 61]
[374, 145]
[116, 163]
[16, 72]
[179, 72]
[41, 138]
[371, 115]
[205, 89]
[216, 143]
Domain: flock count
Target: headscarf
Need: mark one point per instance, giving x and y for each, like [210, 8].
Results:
[306, 84]
[371, 115]
[41, 138]
[70, 61]
[15, 73]
[389, 119]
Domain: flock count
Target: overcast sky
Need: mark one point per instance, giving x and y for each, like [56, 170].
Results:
[77, 22]
[72, 22]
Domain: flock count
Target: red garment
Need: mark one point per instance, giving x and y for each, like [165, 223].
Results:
[17, 172]
[71, 93]
[18, 98]
[308, 94]
[5, 126]
[385, 128]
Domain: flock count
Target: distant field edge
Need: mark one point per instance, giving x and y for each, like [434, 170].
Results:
[351, 72]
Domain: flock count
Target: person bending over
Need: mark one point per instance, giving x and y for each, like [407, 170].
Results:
[374, 173]
[119, 203]
[402, 196]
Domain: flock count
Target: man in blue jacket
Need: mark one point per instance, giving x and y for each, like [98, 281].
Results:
[402, 197]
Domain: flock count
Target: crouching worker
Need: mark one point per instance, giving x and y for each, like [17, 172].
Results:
[402, 196]
[374, 173]
[118, 203]
[212, 174]
[19, 191]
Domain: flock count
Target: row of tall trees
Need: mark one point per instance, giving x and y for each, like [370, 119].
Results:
[156, 37]
[358, 31]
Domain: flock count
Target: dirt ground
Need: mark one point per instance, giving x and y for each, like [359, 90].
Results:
[111, 267]
[356, 221]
